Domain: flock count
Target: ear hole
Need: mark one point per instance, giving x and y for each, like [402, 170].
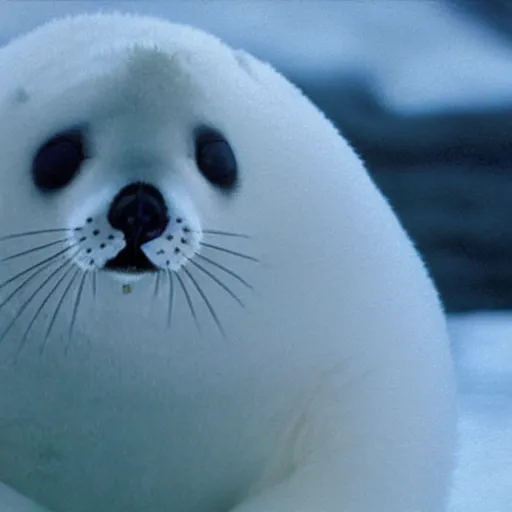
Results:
[20, 96]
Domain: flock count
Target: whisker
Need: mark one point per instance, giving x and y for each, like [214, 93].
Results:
[31, 233]
[33, 249]
[225, 269]
[171, 298]
[24, 283]
[94, 283]
[206, 301]
[157, 283]
[58, 307]
[77, 304]
[189, 300]
[225, 233]
[36, 265]
[30, 299]
[42, 305]
[229, 251]
[220, 283]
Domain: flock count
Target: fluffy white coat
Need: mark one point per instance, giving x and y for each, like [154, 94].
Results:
[331, 391]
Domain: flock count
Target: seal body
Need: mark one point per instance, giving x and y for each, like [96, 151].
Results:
[131, 376]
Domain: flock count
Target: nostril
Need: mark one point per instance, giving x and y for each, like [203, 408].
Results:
[140, 212]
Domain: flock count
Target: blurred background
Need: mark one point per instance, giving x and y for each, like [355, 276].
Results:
[423, 91]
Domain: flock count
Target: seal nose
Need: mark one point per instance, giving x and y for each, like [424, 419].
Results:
[140, 212]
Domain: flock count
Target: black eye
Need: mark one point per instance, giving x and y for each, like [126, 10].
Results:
[216, 159]
[58, 160]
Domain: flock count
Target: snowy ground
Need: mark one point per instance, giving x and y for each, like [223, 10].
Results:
[482, 344]
[424, 58]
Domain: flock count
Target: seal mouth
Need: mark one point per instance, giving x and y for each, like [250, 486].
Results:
[131, 260]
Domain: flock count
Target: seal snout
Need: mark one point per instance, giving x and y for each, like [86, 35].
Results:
[139, 212]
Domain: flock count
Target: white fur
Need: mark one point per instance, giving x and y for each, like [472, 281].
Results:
[331, 391]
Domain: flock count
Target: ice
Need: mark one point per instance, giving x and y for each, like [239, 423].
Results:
[482, 345]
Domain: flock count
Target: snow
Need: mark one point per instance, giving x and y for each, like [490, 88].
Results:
[482, 345]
